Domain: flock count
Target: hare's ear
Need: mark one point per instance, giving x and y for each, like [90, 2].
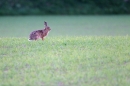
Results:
[45, 23]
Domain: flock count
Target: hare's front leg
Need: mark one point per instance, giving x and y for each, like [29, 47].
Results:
[42, 38]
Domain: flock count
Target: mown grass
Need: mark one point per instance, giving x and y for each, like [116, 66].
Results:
[65, 61]
[21, 26]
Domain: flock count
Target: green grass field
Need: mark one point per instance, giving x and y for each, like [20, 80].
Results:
[21, 26]
[79, 51]
[65, 61]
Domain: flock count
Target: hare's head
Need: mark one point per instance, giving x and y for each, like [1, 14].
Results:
[48, 28]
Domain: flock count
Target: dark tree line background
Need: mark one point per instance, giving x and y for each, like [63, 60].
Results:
[64, 7]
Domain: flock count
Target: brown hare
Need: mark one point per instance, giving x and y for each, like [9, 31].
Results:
[37, 34]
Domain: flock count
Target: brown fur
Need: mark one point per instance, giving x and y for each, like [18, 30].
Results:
[40, 33]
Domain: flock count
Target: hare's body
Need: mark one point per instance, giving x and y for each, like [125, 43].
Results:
[40, 33]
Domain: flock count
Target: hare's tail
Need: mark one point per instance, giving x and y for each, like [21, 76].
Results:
[29, 40]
